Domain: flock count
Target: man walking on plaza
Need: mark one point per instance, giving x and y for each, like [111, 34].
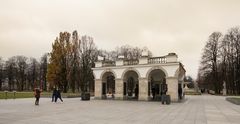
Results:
[54, 94]
[37, 95]
[58, 95]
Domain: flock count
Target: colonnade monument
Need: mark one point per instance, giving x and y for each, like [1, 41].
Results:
[139, 79]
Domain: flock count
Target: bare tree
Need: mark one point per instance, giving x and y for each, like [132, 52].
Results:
[2, 74]
[88, 55]
[210, 58]
[232, 64]
[129, 52]
[11, 70]
[33, 74]
[21, 64]
[43, 70]
[222, 64]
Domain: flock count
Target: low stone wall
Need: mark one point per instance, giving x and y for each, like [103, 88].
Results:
[191, 92]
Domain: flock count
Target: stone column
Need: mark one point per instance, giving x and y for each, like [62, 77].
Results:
[143, 89]
[172, 83]
[98, 89]
[119, 89]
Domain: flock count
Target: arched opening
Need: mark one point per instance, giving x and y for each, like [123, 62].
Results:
[156, 83]
[108, 85]
[131, 85]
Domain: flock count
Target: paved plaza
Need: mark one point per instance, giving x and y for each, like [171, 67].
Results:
[204, 109]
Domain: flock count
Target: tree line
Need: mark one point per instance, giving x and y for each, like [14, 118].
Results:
[22, 73]
[67, 66]
[220, 62]
[72, 59]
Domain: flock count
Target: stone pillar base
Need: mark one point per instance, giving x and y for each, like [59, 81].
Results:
[118, 97]
[143, 89]
[119, 89]
[143, 98]
[172, 83]
[98, 89]
[97, 98]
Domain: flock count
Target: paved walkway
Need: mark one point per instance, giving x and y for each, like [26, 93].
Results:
[205, 109]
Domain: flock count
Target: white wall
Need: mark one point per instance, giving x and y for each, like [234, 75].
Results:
[142, 70]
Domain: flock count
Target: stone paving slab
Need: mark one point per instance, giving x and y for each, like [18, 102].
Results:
[204, 109]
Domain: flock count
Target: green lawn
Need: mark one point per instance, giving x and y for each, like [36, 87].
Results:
[10, 95]
[234, 99]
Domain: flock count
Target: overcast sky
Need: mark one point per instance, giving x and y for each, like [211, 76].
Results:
[29, 27]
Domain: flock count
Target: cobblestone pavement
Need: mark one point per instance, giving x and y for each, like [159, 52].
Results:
[204, 109]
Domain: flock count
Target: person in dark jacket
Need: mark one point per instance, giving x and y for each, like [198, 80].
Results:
[180, 92]
[164, 92]
[164, 88]
[136, 91]
[37, 95]
[153, 92]
[58, 95]
[54, 94]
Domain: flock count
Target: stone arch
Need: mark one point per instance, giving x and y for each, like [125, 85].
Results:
[130, 69]
[156, 77]
[130, 77]
[108, 77]
[155, 68]
[108, 70]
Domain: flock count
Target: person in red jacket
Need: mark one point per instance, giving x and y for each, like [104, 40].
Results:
[37, 95]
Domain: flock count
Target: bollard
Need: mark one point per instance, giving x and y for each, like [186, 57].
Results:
[14, 94]
[6, 92]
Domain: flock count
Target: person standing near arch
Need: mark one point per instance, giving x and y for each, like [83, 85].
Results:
[136, 90]
[164, 88]
[164, 92]
[180, 92]
[153, 91]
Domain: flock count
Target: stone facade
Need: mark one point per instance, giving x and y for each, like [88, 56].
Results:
[172, 83]
[135, 78]
[143, 89]
[119, 89]
[98, 89]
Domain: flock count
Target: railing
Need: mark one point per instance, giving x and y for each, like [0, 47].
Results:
[108, 63]
[156, 60]
[153, 60]
[130, 62]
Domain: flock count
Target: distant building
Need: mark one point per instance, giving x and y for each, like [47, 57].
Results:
[126, 79]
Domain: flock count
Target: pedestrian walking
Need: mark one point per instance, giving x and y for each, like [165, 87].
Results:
[58, 95]
[37, 95]
[54, 94]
